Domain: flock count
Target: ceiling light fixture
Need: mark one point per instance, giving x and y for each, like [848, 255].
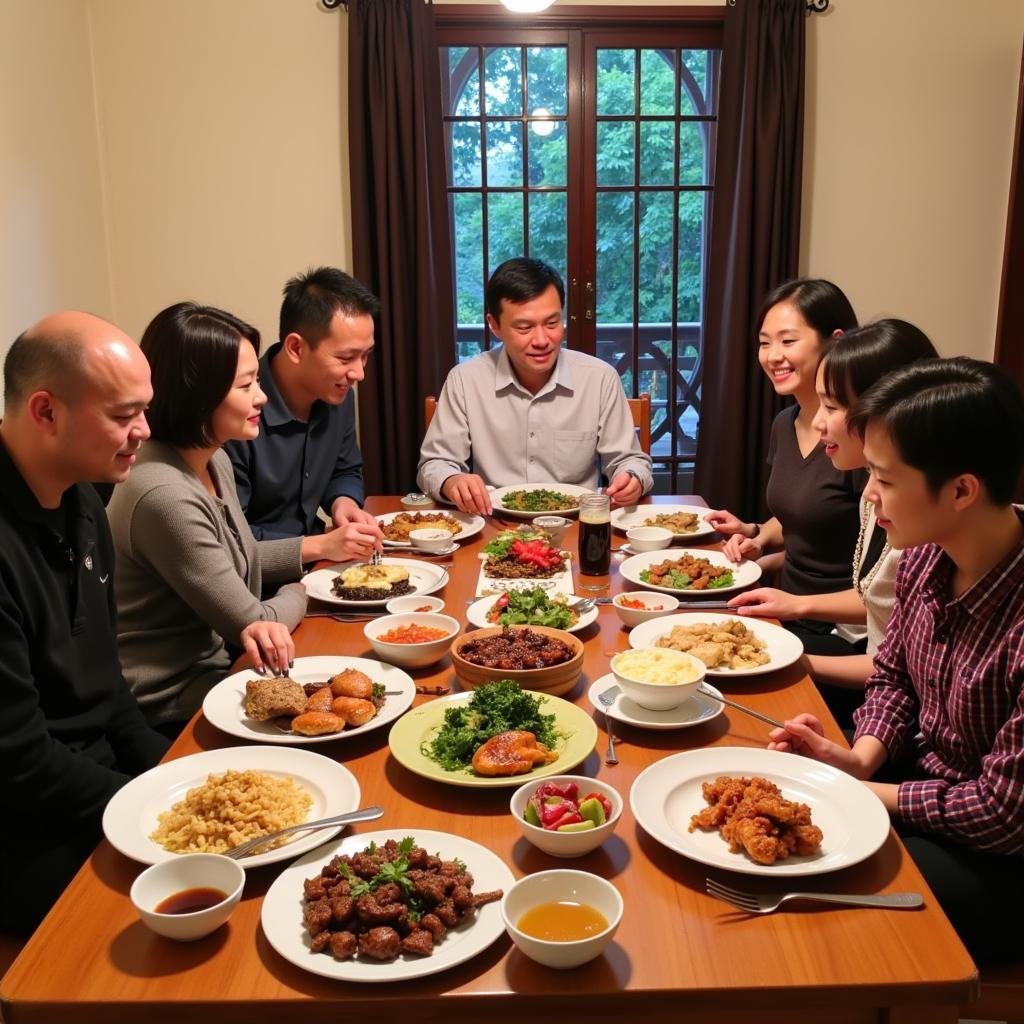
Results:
[527, 6]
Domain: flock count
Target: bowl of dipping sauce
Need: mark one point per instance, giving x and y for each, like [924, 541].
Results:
[414, 603]
[189, 896]
[429, 538]
[553, 526]
[649, 538]
[638, 606]
[416, 501]
[562, 918]
[412, 639]
[658, 678]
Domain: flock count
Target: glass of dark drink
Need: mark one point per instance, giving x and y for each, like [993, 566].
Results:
[595, 534]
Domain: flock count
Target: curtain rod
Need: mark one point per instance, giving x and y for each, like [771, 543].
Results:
[813, 6]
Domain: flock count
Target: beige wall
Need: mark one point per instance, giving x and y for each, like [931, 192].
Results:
[155, 151]
[909, 129]
[53, 250]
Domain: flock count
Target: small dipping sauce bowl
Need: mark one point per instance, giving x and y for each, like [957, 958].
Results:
[181, 877]
[414, 603]
[431, 539]
[562, 886]
[649, 538]
[417, 502]
[553, 526]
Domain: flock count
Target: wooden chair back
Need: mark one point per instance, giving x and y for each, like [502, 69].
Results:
[640, 409]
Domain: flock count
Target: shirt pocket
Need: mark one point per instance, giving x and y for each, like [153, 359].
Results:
[574, 455]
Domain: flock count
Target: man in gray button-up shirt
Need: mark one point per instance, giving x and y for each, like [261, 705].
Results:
[530, 411]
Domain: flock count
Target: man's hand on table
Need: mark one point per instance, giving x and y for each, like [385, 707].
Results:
[345, 511]
[625, 489]
[468, 493]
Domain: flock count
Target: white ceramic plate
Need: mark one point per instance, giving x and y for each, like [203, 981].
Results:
[423, 577]
[694, 711]
[471, 525]
[852, 818]
[571, 490]
[223, 704]
[282, 910]
[744, 573]
[131, 815]
[476, 613]
[628, 516]
[561, 583]
[782, 646]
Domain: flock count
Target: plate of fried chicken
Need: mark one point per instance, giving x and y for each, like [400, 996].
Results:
[759, 812]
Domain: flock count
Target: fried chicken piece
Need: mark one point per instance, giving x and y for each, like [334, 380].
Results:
[319, 700]
[380, 943]
[353, 710]
[419, 942]
[317, 723]
[343, 945]
[757, 836]
[511, 753]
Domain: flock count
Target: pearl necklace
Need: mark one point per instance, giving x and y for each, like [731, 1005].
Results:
[862, 585]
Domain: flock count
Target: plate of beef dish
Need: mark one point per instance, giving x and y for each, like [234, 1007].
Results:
[689, 571]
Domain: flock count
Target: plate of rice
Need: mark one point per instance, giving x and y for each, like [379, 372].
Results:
[215, 800]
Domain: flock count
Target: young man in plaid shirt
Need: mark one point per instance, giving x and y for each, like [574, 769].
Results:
[943, 715]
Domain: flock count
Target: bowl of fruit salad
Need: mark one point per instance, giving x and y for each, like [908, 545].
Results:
[566, 815]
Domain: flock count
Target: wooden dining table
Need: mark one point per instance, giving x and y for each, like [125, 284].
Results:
[678, 955]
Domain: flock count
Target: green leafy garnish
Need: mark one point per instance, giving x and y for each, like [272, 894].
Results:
[535, 608]
[502, 544]
[494, 708]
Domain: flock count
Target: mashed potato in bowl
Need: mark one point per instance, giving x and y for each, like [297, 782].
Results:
[657, 678]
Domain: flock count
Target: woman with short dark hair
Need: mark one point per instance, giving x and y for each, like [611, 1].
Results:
[190, 575]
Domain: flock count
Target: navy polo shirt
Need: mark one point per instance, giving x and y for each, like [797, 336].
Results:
[296, 466]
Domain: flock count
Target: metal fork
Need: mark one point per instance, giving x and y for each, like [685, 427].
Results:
[765, 903]
[350, 817]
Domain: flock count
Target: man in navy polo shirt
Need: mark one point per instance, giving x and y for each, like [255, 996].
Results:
[306, 456]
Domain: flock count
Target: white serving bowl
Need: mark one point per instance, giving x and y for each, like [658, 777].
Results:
[430, 538]
[664, 603]
[649, 538]
[413, 603]
[188, 871]
[412, 655]
[657, 696]
[553, 526]
[566, 844]
[551, 887]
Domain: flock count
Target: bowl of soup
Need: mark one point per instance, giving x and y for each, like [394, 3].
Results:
[658, 678]
[562, 918]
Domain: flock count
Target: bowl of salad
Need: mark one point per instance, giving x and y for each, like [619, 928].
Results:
[566, 815]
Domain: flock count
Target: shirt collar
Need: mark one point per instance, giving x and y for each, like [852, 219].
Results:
[276, 412]
[505, 377]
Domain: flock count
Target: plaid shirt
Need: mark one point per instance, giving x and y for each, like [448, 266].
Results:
[947, 689]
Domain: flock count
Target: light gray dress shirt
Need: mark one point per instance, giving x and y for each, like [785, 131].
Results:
[189, 576]
[576, 427]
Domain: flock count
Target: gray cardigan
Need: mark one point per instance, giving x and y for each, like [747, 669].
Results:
[188, 577]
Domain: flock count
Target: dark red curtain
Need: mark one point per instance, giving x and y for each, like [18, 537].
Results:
[755, 241]
[400, 231]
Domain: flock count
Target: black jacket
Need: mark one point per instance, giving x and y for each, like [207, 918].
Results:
[71, 734]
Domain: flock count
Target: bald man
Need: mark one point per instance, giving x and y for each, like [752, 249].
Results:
[71, 734]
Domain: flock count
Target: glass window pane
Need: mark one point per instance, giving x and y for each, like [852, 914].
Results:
[657, 81]
[657, 211]
[616, 71]
[503, 80]
[616, 142]
[693, 211]
[699, 82]
[504, 227]
[548, 234]
[657, 153]
[546, 79]
[614, 257]
[547, 153]
[463, 153]
[469, 258]
[504, 153]
[464, 69]
[696, 141]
